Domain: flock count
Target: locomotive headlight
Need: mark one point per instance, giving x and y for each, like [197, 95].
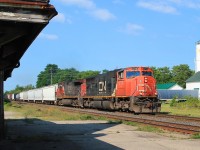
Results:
[156, 93]
[145, 80]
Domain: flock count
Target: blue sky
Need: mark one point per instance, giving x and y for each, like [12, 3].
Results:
[110, 34]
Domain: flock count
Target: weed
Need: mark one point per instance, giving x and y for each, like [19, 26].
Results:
[115, 121]
[173, 102]
[149, 128]
[196, 136]
[131, 123]
[87, 117]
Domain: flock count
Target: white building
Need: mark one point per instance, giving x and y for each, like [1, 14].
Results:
[193, 83]
[197, 61]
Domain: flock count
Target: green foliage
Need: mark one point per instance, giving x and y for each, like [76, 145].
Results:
[192, 102]
[178, 74]
[104, 71]
[47, 77]
[162, 75]
[19, 89]
[86, 74]
[189, 103]
[181, 73]
[196, 136]
[173, 102]
[149, 128]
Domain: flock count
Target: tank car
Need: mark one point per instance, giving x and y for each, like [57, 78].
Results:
[129, 89]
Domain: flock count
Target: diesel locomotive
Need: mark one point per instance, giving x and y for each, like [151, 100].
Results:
[129, 89]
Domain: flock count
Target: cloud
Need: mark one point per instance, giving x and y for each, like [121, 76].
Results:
[132, 29]
[187, 3]
[102, 14]
[61, 18]
[48, 36]
[158, 6]
[91, 8]
[168, 6]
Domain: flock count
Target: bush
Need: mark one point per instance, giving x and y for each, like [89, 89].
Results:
[173, 102]
[192, 102]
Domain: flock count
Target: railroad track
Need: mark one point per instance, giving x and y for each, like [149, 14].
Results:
[187, 118]
[167, 122]
[172, 126]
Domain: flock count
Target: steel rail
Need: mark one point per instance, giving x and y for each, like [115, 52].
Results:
[196, 119]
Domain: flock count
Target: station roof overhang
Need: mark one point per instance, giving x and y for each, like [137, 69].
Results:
[21, 21]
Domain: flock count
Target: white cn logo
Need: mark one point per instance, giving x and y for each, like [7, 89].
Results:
[102, 86]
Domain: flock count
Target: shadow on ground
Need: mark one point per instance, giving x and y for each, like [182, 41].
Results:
[35, 134]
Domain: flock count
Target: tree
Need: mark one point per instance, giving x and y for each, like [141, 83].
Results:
[105, 71]
[67, 75]
[47, 77]
[181, 73]
[162, 74]
[87, 74]
[19, 89]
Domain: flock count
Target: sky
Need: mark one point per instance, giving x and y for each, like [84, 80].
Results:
[111, 34]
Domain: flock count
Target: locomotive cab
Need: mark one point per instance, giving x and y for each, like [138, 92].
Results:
[138, 86]
[136, 81]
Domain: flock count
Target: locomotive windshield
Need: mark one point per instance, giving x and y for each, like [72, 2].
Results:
[147, 73]
[131, 74]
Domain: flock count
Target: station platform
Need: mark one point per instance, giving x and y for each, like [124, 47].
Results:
[21, 21]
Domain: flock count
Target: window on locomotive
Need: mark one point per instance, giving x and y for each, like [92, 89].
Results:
[121, 75]
[147, 73]
[132, 74]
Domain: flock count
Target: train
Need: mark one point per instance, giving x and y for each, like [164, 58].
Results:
[130, 89]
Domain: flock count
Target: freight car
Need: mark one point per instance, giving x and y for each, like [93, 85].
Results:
[45, 95]
[129, 89]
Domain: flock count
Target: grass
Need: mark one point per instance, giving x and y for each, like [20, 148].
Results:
[196, 136]
[141, 127]
[181, 110]
[46, 113]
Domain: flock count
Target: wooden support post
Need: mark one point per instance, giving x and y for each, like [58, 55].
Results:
[2, 130]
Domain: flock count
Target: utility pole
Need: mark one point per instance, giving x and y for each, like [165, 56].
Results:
[51, 75]
[2, 132]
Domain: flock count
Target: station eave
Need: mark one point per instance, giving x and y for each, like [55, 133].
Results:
[21, 21]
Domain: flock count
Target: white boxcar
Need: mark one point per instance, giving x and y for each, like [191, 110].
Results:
[21, 95]
[13, 96]
[17, 97]
[49, 92]
[25, 95]
[39, 94]
[31, 95]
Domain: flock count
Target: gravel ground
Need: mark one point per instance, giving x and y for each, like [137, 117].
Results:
[36, 134]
